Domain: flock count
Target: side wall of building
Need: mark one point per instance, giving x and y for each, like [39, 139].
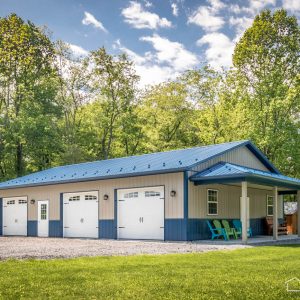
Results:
[174, 206]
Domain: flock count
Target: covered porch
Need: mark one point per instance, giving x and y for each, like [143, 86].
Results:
[246, 178]
[259, 240]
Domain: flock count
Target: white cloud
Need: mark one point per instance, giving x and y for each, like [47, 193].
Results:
[219, 49]
[166, 61]
[174, 9]
[136, 58]
[148, 3]
[236, 9]
[138, 17]
[257, 5]
[217, 4]
[261, 3]
[207, 16]
[253, 7]
[240, 24]
[154, 74]
[77, 50]
[172, 53]
[89, 19]
[292, 5]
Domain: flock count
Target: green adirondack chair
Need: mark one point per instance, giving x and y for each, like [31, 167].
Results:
[229, 230]
[219, 227]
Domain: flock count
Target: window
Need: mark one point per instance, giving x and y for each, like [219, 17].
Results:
[21, 201]
[270, 205]
[212, 202]
[90, 197]
[74, 198]
[43, 211]
[10, 202]
[152, 194]
[131, 195]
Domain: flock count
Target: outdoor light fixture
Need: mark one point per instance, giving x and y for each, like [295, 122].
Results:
[32, 201]
[105, 197]
[173, 193]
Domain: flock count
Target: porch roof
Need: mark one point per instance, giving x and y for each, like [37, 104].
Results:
[224, 172]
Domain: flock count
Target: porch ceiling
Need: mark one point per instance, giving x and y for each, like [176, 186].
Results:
[224, 172]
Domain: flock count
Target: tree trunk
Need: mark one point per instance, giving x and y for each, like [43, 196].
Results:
[19, 159]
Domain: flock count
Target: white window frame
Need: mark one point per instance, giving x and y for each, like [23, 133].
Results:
[217, 202]
[268, 205]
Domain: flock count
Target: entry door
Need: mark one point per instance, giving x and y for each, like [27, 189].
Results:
[43, 218]
[141, 213]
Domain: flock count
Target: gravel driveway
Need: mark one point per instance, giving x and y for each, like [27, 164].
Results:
[43, 248]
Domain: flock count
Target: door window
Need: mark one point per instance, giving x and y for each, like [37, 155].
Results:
[131, 195]
[152, 194]
[90, 197]
[74, 198]
[43, 211]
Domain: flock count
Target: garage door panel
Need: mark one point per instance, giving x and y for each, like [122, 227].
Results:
[141, 213]
[15, 216]
[81, 214]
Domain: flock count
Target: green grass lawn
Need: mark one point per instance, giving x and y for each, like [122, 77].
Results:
[256, 273]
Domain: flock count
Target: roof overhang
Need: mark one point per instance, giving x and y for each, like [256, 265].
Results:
[225, 173]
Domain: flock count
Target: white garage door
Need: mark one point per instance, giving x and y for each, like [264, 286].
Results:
[15, 216]
[141, 213]
[80, 214]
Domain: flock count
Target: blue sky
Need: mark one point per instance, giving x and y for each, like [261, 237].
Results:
[163, 37]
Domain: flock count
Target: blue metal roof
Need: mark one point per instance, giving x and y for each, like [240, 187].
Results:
[223, 172]
[155, 163]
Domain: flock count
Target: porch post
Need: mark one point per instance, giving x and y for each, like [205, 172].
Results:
[275, 213]
[298, 212]
[244, 213]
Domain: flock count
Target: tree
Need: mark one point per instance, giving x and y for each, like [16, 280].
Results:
[27, 90]
[267, 63]
[73, 94]
[114, 83]
[168, 114]
[204, 88]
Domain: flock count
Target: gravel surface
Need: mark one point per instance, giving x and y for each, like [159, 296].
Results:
[47, 248]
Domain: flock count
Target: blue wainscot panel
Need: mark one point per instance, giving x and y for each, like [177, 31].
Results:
[107, 229]
[175, 230]
[198, 230]
[55, 228]
[31, 228]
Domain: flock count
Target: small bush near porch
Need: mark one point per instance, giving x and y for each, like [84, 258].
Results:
[255, 273]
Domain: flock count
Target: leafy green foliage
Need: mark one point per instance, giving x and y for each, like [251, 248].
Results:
[267, 61]
[27, 96]
[59, 109]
